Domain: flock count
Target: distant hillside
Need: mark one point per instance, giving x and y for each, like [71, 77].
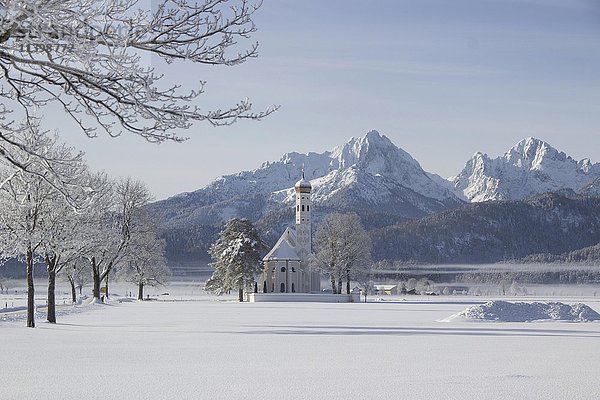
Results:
[494, 231]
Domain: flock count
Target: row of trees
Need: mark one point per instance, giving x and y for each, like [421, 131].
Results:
[59, 213]
[342, 251]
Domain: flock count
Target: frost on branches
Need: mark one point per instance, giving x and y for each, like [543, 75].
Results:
[145, 263]
[237, 258]
[38, 220]
[343, 250]
[86, 57]
[116, 223]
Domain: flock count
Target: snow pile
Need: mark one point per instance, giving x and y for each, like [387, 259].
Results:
[505, 311]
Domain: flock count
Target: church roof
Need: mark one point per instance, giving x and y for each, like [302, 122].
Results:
[285, 248]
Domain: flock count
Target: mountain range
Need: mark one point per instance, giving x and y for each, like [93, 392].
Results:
[530, 167]
[371, 176]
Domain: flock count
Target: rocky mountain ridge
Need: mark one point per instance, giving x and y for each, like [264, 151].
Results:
[530, 167]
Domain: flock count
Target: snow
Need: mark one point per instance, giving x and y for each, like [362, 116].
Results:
[530, 167]
[215, 348]
[505, 311]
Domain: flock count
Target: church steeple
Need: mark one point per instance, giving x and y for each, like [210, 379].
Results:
[303, 219]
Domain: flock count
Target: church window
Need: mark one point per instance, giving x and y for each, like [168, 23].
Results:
[307, 207]
[297, 208]
[302, 219]
[282, 269]
[282, 287]
[302, 207]
[293, 269]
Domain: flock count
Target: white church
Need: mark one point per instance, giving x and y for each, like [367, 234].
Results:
[286, 266]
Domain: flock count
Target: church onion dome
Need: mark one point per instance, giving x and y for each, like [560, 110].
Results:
[303, 186]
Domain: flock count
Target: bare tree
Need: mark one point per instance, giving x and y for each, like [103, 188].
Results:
[343, 247]
[29, 202]
[145, 263]
[63, 233]
[115, 223]
[86, 57]
[78, 274]
[364, 278]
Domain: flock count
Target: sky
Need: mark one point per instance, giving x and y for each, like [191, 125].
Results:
[441, 79]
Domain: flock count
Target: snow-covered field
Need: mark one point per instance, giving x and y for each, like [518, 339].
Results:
[206, 347]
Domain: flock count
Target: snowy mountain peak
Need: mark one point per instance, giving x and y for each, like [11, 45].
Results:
[530, 167]
[357, 150]
[367, 172]
[533, 153]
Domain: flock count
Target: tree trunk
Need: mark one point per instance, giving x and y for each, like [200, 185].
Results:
[333, 285]
[51, 298]
[241, 294]
[348, 284]
[73, 292]
[51, 262]
[30, 289]
[96, 278]
[106, 282]
[140, 291]
[339, 283]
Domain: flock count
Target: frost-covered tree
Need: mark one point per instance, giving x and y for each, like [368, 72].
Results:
[78, 274]
[87, 57]
[32, 206]
[236, 258]
[115, 222]
[64, 237]
[145, 263]
[343, 247]
[364, 277]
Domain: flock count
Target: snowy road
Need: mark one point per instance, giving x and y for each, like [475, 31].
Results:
[226, 350]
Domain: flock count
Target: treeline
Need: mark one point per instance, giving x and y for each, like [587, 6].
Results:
[579, 276]
[586, 255]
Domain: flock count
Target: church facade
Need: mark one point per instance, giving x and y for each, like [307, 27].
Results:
[286, 266]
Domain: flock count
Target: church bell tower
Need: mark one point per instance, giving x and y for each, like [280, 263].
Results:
[303, 220]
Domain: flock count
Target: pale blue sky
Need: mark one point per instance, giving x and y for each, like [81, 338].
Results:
[442, 79]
